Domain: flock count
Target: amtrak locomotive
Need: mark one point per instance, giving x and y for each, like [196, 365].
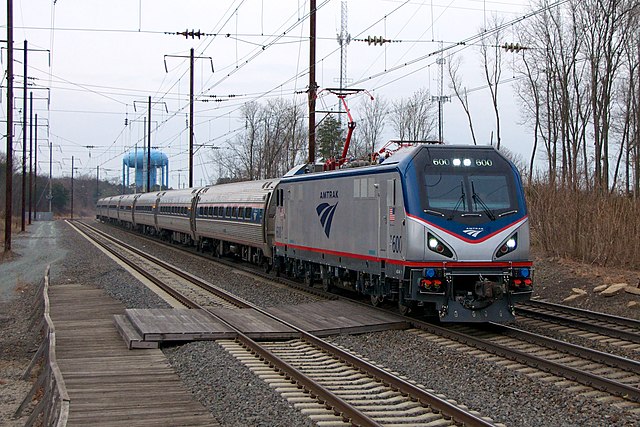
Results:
[434, 228]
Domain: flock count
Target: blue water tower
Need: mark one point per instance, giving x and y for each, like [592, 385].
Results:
[137, 159]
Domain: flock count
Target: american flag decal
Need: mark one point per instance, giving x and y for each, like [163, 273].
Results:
[392, 214]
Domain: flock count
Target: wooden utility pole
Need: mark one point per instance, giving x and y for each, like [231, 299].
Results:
[72, 169]
[24, 139]
[191, 59]
[9, 173]
[312, 83]
[149, 149]
[30, 156]
[35, 167]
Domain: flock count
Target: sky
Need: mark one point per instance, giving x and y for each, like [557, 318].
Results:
[92, 66]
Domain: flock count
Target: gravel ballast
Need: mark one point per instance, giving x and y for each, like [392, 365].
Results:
[237, 397]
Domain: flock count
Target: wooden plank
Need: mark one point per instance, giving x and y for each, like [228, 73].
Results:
[107, 384]
[337, 317]
[177, 325]
[255, 324]
[129, 334]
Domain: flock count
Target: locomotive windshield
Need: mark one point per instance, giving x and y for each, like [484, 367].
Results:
[470, 185]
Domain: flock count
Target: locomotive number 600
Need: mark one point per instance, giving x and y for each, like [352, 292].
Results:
[396, 244]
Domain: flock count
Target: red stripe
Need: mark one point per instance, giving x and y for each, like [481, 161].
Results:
[462, 264]
[420, 264]
[449, 232]
[330, 252]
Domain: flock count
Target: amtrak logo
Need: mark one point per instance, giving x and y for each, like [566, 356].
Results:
[473, 231]
[325, 213]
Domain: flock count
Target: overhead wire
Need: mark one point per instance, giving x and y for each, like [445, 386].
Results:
[299, 74]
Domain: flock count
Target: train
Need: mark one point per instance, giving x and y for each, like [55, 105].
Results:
[436, 229]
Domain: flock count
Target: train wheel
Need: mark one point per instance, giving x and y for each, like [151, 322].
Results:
[404, 308]
[376, 300]
[308, 278]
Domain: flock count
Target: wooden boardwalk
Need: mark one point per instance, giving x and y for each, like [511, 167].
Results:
[147, 328]
[108, 384]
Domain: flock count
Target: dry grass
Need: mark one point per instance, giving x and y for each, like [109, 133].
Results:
[598, 229]
[14, 228]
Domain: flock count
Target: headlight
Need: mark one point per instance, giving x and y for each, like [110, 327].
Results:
[508, 246]
[435, 245]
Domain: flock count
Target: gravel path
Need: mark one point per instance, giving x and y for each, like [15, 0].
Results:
[238, 398]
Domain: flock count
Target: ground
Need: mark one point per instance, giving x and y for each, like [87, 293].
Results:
[555, 280]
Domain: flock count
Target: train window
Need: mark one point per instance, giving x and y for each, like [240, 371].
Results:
[234, 212]
[241, 213]
[227, 212]
[247, 213]
[391, 192]
[215, 211]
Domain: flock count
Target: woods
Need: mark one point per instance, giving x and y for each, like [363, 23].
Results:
[575, 67]
[579, 91]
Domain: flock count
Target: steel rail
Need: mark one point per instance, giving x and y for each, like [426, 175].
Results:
[573, 349]
[614, 387]
[175, 294]
[175, 270]
[604, 317]
[580, 324]
[348, 411]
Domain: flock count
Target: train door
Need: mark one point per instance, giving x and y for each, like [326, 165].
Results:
[383, 222]
[156, 209]
[394, 221]
[268, 222]
[194, 213]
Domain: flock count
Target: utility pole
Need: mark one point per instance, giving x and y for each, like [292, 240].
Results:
[9, 172]
[441, 99]
[192, 59]
[147, 158]
[149, 148]
[50, 168]
[97, 182]
[35, 167]
[30, 156]
[312, 84]
[72, 169]
[24, 140]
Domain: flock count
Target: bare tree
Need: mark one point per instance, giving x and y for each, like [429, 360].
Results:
[371, 124]
[413, 118]
[606, 31]
[272, 143]
[455, 84]
[491, 54]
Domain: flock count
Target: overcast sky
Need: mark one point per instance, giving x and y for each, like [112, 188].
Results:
[103, 59]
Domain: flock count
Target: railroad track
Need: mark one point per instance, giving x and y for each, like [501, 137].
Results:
[600, 327]
[329, 384]
[583, 370]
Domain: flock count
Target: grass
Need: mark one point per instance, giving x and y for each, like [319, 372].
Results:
[596, 229]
